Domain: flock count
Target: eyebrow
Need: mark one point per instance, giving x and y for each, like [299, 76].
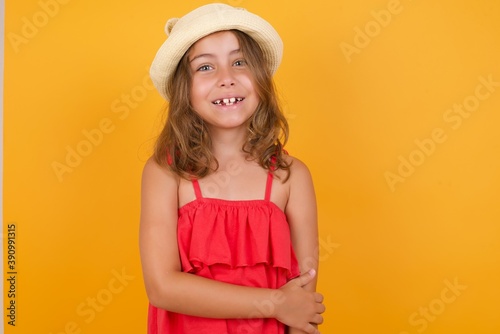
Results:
[210, 55]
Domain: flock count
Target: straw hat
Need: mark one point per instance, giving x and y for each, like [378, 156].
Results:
[203, 21]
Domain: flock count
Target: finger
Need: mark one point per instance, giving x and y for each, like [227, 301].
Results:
[318, 297]
[318, 319]
[307, 277]
[310, 329]
[320, 308]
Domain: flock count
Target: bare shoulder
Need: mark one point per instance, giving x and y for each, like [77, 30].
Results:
[299, 172]
[298, 188]
[153, 169]
[157, 178]
[300, 184]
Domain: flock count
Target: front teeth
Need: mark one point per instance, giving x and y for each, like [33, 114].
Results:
[228, 102]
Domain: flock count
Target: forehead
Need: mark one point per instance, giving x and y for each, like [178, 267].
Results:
[216, 42]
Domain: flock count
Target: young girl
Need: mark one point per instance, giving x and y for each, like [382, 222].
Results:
[228, 219]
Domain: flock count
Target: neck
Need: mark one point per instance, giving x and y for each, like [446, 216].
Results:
[227, 143]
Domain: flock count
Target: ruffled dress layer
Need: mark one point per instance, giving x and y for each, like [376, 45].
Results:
[239, 242]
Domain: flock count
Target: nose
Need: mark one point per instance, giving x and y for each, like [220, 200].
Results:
[226, 77]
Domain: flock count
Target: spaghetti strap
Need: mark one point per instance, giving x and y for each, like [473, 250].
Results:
[269, 186]
[270, 177]
[197, 190]
[196, 185]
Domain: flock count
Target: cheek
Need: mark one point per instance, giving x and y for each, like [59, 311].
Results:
[195, 92]
[247, 80]
[250, 85]
[199, 87]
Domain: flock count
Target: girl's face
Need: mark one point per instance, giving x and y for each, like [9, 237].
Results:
[222, 90]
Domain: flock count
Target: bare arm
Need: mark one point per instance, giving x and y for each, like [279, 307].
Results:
[302, 216]
[169, 288]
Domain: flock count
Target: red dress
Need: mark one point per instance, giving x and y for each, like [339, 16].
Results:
[240, 242]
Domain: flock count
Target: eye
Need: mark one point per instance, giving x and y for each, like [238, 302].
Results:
[240, 62]
[204, 68]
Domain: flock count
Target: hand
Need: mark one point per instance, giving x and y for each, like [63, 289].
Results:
[300, 309]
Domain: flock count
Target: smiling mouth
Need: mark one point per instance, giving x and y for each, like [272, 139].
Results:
[228, 102]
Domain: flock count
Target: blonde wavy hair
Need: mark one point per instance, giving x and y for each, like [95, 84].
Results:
[184, 146]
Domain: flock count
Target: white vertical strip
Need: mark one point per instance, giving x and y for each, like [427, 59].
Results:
[2, 30]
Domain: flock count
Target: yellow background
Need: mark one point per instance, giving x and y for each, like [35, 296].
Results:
[389, 251]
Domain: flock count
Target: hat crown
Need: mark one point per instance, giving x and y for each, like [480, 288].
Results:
[201, 15]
